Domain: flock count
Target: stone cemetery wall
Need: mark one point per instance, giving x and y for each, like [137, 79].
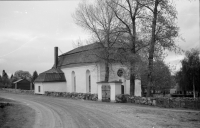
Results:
[73, 95]
[166, 102]
[17, 91]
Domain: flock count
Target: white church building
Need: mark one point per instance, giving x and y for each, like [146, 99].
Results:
[76, 71]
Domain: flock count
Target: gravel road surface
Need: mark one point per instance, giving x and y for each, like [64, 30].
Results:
[52, 112]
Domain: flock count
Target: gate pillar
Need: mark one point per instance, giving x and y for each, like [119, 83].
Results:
[115, 89]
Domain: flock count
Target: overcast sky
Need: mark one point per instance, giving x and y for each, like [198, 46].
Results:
[29, 31]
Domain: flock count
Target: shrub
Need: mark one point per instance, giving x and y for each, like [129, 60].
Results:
[95, 97]
[121, 98]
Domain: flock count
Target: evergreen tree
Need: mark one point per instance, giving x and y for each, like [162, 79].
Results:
[0, 80]
[35, 75]
[5, 79]
[11, 76]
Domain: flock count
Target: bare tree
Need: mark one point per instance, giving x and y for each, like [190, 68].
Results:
[100, 21]
[129, 12]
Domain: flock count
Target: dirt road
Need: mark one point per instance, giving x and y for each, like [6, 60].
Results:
[66, 113]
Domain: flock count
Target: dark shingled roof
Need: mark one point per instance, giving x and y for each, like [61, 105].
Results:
[84, 48]
[80, 55]
[52, 75]
[91, 53]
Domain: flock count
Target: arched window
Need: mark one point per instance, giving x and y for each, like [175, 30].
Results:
[73, 81]
[88, 81]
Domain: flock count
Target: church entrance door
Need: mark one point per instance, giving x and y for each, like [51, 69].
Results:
[105, 93]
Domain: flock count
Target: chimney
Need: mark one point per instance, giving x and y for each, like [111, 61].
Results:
[55, 57]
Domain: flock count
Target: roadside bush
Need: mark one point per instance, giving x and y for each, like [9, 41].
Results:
[94, 97]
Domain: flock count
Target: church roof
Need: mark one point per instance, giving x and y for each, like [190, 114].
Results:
[83, 48]
[52, 75]
[80, 55]
[85, 54]
[91, 53]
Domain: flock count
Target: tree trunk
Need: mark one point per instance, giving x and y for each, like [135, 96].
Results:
[194, 94]
[132, 68]
[132, 80]
[132, 73]
[150, 81]
[107, 58]
[151, 50]
[106, 72]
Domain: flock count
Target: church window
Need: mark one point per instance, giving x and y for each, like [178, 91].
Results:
[120, 72]
[88, 81]
[73, 81]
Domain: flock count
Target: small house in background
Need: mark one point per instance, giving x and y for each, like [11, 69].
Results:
[23, 84]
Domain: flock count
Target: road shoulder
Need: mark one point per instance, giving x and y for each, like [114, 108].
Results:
[17, 115]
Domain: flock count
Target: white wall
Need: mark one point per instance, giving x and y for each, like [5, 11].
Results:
[115, 90]
[54, 86]
[99, 92]
[114, 76]
[36, 91]
[80, 73]
[138, 89]
[97, 73]
[50, 86]
[127, 87]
